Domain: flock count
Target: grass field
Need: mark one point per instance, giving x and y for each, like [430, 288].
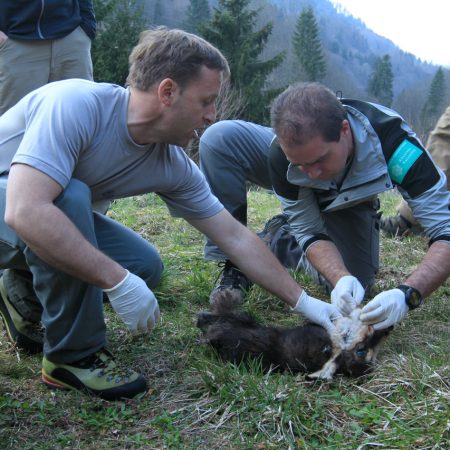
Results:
[196, 402]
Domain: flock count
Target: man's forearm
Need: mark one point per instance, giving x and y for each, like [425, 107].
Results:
[433, 270]
[250, 254]
[327, 260]
[253, 257]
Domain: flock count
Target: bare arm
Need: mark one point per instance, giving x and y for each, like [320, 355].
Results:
[327, 260]
[250, 254]
[30, 211]
[433, 270]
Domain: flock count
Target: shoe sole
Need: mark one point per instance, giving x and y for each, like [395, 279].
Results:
[53, 383]
[17, 338]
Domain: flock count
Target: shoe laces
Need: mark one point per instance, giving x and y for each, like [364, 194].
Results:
[231, 277]
[103, 361]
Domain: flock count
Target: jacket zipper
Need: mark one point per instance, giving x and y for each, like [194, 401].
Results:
[39, 20]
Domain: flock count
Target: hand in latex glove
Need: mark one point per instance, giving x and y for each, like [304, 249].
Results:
[386, 309]
[135, 304]
[347, 294]
[317, 311]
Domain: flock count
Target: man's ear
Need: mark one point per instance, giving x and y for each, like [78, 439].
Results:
[345, 126]
[166, 91]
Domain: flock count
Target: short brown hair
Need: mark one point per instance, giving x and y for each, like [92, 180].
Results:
[306, 110]
[171, 53]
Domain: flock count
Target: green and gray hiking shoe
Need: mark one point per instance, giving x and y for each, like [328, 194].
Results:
[26, 335]
[96, 374]
[233, 281]
[399, 226]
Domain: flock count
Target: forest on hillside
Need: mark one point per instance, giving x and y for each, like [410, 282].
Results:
[264, 44]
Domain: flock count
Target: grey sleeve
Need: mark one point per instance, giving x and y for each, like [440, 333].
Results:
[192, 197]
[55, 136]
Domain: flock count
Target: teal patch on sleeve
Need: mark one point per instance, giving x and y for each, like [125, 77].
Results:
[401, 161]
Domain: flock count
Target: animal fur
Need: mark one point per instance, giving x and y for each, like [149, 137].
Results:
[238, 337]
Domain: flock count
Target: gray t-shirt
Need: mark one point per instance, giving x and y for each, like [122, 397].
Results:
[78, 129]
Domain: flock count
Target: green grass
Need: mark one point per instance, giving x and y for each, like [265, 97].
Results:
[197, 402]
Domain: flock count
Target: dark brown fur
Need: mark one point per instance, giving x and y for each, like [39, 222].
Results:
[237, 337]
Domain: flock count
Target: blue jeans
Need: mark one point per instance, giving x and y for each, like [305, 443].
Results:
[72, 309]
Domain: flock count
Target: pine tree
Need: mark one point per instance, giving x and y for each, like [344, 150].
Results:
[119, 24]
[308, 48]
[434, 105]
[198, 13]
[232, 31]
[381, 81]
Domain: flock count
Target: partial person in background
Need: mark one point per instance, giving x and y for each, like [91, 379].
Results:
[438, 144]
[43, 41]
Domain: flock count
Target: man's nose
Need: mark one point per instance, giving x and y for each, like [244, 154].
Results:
[210, 116]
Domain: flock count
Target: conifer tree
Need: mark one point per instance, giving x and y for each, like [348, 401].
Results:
[232, 30]
[434, 105]
[198, 13]
[381, 81]
[119, 24]
[308, 48]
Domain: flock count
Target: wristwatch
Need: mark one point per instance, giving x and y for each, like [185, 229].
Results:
[413, 297]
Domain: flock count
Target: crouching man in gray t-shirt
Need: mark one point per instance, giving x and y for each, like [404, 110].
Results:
[75, 143]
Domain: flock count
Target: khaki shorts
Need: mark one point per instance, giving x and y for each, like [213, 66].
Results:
[28, 65]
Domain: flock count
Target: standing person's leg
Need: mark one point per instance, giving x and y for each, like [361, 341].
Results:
[71, 57]
[24, 66]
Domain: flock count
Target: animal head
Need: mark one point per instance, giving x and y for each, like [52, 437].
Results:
[355, 345]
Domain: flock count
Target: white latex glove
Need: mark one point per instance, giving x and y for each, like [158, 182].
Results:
[317, 311]
[386, 309]
[347, 294]
[135, 304]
